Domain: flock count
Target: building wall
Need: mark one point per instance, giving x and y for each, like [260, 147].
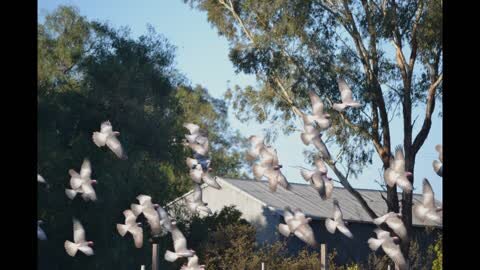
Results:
[266, 222]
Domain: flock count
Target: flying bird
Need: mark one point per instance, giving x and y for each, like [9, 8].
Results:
[396, 174]
[132, 227]
[108, 137]
[438, 168]
[394, 221]
[318, 116]
[179, 245]
[318, 179]
[196, 135]
[314, 136]
[439, 149]
[198, 175]
[438, 165]
[389, 246]
[337, 221]
[196, 204]
[201, 149]
[270, 168]
[40, 233]
[347, 97]
[82, 183]
[165, 220]
[427, 210]
[297, 224]
[193, 264]
[148, 209]
[145, 202]
[79, 241]
[256, 144]
[42, 180]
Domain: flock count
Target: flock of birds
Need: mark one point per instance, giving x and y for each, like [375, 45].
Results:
[267, 165]
[158, 220]
[297, 223]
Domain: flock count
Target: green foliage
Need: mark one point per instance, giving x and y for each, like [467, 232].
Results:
[226, 241]
[90, 72]
[437, 250]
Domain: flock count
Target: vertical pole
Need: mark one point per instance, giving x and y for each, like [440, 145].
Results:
[323, 257]
[263, 266]
[142, 267]
[154, 256]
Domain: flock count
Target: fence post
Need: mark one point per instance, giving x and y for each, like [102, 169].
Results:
[154, 256]
[263, 266]
[142, 267]
[323, 257]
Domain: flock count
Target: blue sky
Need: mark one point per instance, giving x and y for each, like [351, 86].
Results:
[202, 55]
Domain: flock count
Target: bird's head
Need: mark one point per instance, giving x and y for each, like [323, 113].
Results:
[90, 243]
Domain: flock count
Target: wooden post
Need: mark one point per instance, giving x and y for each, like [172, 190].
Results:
[263, 266]
[323, 257]
[154, 256]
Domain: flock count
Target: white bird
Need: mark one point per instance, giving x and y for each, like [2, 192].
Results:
[318, 116]
[40, 233]
[347, 97]
[145, 202]
[256, 144]
[314, 136]
[394, 221]
[147, 208]
[42, 180]
[194, 163]
[201, 149]
[193, 264]
[438, 165]
[427, 210]
[79, 241]
[196, 204]
[389, 246]
[297, 224]
[438, 168]
[198, 175]
[318, 179]
[153, 219]
[439, 149]
[82, 183]
[132, 227]
[270, 168]
[108, 137]
[396, 174]
[195, 134]
[179, 245]
[337, 221]
[165, 220]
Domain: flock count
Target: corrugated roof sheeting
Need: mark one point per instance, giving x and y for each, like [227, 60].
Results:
[306, 198]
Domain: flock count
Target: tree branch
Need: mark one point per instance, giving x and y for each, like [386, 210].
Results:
[349, 188]
[422, 134]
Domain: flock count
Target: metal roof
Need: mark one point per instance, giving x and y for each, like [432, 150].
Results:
[306, 198]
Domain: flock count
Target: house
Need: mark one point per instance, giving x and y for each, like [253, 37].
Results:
[264, 210]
